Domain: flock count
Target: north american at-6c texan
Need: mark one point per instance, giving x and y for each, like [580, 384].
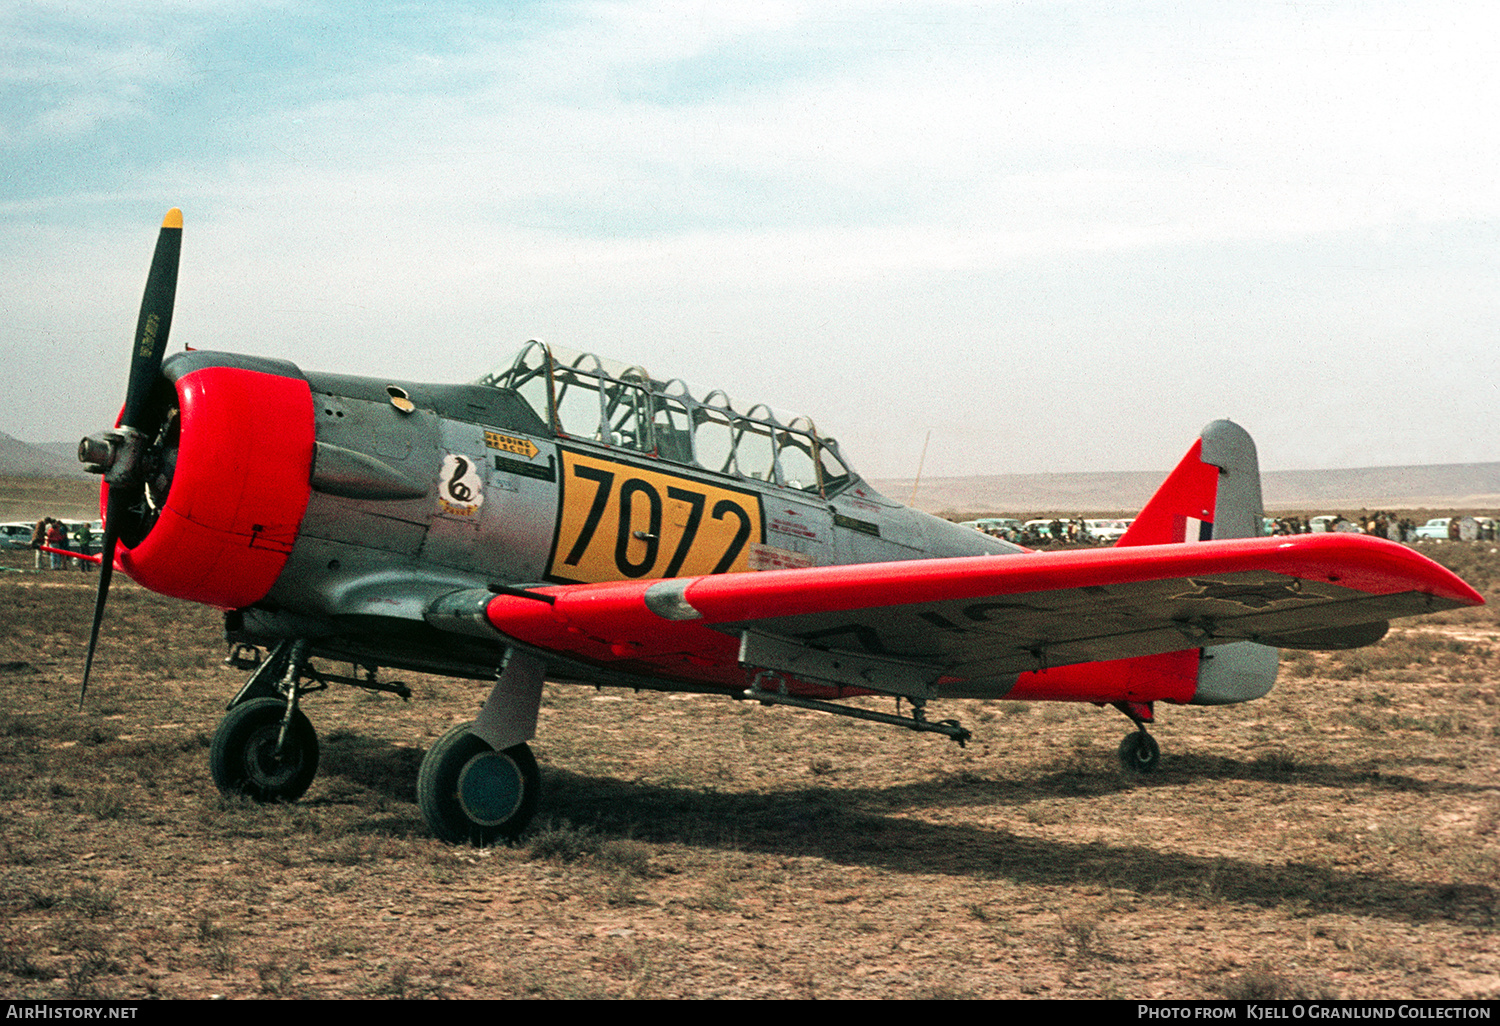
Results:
[568, 519]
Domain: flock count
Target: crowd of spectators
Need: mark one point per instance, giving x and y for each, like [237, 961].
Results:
[51, 538]
[1384, 524]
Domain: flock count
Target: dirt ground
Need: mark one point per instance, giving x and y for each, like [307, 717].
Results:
[1337, 839]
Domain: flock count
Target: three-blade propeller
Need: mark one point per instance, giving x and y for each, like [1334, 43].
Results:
[121, 455]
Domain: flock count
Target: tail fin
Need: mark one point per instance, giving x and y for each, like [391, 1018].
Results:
[1213, 493]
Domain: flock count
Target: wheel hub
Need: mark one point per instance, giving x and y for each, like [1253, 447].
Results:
[491, 788]
[263, 765]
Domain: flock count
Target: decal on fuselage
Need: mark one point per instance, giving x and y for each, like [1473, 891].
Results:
[620, 521]
[510, 443]
[460, 486]
[772, 557]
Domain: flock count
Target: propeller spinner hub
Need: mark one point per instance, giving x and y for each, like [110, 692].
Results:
[98, 452]
[116, 454]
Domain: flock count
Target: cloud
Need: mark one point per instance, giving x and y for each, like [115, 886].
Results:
[833, 207]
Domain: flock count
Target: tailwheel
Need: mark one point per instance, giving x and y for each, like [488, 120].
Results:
[468, 792]
[1139, 752]
[249, 757]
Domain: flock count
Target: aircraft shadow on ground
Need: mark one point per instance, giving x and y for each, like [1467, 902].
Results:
[868, 827]
[1183, 769]
[848, 827]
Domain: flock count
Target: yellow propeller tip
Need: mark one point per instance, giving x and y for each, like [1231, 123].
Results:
[173, 219]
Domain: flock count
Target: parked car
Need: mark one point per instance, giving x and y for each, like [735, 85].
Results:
[1436, 528]
[1040, 528]
[15, 535]
[1106, 532]
[1004, 526]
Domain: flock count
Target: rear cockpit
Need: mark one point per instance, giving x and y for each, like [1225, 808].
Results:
[589, 399]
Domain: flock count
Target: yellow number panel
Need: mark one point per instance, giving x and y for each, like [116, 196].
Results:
[620, 521]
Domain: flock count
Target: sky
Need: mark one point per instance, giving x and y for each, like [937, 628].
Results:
[1044, 235]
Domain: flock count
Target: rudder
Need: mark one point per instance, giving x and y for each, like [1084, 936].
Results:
[1213, 494]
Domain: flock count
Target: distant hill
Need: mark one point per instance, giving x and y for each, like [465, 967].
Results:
[1461, 485]
[1442, 486]
[22, 459]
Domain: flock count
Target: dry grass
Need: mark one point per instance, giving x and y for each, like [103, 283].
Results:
[1336, 839]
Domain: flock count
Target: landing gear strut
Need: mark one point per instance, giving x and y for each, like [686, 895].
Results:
[479, 784]
[265, 748]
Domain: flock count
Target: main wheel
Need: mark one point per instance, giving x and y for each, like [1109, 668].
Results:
[1139, 752]
[468, 792]
[243, 756]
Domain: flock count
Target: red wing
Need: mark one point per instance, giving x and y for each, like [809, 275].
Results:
[896, 625]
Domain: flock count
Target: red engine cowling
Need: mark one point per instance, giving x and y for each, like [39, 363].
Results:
[238, 490]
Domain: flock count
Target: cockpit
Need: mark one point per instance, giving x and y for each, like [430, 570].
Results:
[601, 401]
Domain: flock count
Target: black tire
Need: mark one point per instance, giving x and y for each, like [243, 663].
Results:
[1139, 752]
[470, 793]
[243, 758]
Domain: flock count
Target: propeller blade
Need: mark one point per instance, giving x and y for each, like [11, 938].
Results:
[145, 367]
[156, 318]
[112, 516]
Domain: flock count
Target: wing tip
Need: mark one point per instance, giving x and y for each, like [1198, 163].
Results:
[1422, 572]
